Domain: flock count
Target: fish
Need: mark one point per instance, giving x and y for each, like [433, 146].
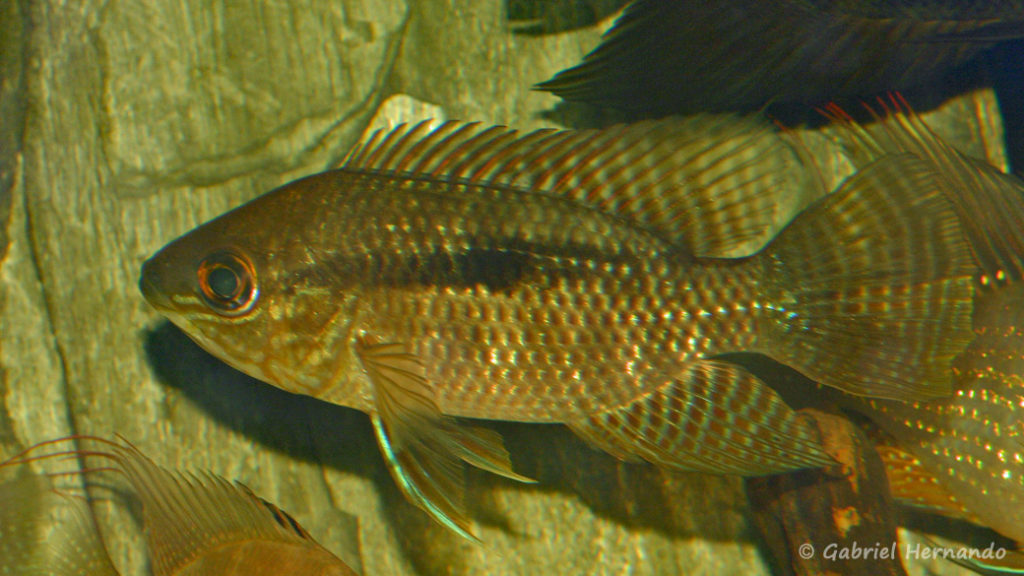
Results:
[663, 57]
[195, 524]
[576, 277]
[971, 442]
[914, 486]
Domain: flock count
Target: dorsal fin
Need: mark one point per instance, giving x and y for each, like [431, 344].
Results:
[186, 515]
[988, 202]
[706, 183]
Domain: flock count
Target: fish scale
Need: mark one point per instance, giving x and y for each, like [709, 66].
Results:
[460, 342]
[578, 277]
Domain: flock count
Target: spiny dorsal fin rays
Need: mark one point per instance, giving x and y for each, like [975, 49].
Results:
[698, 182]
[988, 202]
[187, 514]
[421, 446]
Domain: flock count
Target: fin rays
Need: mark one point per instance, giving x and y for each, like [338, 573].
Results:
[653, 173]
[987, 201]
[884, 308]
[711, 417]
[421, 446]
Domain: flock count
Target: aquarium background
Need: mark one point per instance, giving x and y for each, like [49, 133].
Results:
[124, 125]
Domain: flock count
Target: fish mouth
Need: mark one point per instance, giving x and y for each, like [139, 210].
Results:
[149, 282]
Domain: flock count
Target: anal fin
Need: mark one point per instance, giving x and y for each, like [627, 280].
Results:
[912, 485]
[421, 446]
[711, 417]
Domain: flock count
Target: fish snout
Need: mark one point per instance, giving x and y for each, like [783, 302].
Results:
[153, 283]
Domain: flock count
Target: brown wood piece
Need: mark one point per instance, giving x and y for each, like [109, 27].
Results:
[838, 520]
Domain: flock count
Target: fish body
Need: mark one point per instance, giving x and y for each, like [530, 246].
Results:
[664, 57]
[972, 442]
[571, 277]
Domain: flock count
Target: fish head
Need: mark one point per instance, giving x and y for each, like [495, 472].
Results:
[250, 287]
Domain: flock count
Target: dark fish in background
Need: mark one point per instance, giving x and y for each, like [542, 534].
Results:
[195, 524]
[573, 277]
[972, 442]
[685, 56]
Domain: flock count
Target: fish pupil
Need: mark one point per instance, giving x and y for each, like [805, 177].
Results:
[223, 282]
[227, 281]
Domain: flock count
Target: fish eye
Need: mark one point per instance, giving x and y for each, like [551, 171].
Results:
[228, 283]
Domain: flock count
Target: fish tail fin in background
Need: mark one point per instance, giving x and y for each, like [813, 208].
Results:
[914, 486]
[679, 57]
[44, 531]
[871, 288]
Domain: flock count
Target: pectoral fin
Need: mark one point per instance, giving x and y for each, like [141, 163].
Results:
[422, 446]
[711, 417]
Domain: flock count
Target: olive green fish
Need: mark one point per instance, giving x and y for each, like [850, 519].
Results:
[679, 57]
[973, 441]
[573, 277]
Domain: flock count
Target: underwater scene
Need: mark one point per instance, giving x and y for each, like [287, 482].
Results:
[417, 287]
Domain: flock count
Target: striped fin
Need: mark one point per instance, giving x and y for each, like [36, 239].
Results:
[873, 288]
[192, 518]
[701, 182]
[989, 203]
[47, 533]
[712, 417]
[421, 446]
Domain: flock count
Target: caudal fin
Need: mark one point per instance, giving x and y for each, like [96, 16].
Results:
[871, 288]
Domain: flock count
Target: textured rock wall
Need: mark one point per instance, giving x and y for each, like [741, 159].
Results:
[125, 124]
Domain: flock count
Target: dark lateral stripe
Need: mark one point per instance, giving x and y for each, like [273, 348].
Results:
[494, 269]
[498, 269]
